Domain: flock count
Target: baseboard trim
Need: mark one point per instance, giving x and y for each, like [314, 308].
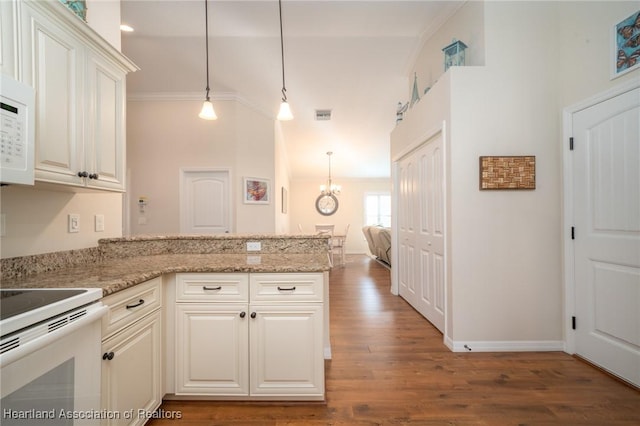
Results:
[505, 346]
[327, 353]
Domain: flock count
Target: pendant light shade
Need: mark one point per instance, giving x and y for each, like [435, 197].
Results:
[285, 113]
[207, 112]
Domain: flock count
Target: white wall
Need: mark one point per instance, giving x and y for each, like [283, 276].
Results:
[36, 219]
[302, 198]
[283, 180]
[505, 277]
[164, 136]
[104, 17]
[466, 25]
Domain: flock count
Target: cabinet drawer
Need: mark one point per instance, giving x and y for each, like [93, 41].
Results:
[130, 305]
[212, 287]
[286, 287]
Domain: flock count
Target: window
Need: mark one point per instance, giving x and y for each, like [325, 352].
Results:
[377, 209]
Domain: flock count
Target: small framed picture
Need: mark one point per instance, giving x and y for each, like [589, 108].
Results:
[626, 45]
[256, 190]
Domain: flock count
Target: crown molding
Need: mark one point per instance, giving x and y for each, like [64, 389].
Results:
[197, 96]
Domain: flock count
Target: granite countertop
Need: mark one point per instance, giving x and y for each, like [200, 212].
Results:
[113, 275]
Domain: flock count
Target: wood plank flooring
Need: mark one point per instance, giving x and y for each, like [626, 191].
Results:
[390, 367]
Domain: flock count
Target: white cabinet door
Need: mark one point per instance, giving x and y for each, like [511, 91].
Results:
[212, 355]
[80, 97]
[286, 350]
[52, 64]
[131, 371]
[104, 141]
[9, 59]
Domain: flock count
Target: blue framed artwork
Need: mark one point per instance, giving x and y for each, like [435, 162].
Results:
[626, 36]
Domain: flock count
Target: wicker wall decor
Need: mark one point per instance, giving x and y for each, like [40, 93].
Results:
[511, 172]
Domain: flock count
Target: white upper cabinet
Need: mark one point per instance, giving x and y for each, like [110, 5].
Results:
[8, 58]
[80, 97]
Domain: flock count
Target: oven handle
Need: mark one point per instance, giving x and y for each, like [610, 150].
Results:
[93, 314]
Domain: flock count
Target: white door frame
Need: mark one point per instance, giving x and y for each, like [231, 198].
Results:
[567, 220]
[184, 170]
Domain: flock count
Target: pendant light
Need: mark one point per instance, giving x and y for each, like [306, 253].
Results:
[207, 112]
[285, 111]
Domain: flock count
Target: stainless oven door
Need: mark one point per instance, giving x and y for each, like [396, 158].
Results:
[54, 379]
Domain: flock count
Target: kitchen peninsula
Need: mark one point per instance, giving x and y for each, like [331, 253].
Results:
[200, 317]
[118, 263]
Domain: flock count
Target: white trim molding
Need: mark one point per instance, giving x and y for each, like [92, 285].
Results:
[506, 346]
[197, 96]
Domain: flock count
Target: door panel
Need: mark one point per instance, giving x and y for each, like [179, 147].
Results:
[205, 202]
[606, 196]
[421, 226]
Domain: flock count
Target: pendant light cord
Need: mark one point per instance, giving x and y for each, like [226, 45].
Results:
[284, 89]
[206, 31]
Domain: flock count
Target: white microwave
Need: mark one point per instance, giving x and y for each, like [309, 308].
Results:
[17, 131]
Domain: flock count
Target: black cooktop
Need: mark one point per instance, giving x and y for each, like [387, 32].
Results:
[15, 302]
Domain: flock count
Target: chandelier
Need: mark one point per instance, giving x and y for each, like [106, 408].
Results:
[330, 188]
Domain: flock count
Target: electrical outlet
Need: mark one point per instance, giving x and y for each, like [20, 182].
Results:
[73, 223]
[254, 246]
[99, 223]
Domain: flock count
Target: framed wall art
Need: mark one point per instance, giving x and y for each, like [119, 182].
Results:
[626, 45]
[256, 190]
[510, 172]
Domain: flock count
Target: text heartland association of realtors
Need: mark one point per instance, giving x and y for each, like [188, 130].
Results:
[52, 414]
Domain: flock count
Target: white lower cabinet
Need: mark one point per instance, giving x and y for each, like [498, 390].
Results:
[131, 354]
[250, 336]
[286, 350]
[212, 344]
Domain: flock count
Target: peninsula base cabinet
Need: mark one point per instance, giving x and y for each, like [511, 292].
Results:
[250, 336]
[131, 354]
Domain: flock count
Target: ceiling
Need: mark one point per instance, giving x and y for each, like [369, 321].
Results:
[352, 57]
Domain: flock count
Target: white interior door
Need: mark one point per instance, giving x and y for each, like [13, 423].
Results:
[205, 202]
[421, 230]
[606, 199]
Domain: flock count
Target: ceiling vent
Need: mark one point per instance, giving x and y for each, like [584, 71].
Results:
[323, 114]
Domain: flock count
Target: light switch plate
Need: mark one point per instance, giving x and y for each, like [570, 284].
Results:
[73, 224]
[99, 223]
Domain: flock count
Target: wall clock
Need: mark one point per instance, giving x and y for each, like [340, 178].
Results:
[326, 204]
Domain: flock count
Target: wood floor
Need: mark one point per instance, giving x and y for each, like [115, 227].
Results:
[390, 367]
